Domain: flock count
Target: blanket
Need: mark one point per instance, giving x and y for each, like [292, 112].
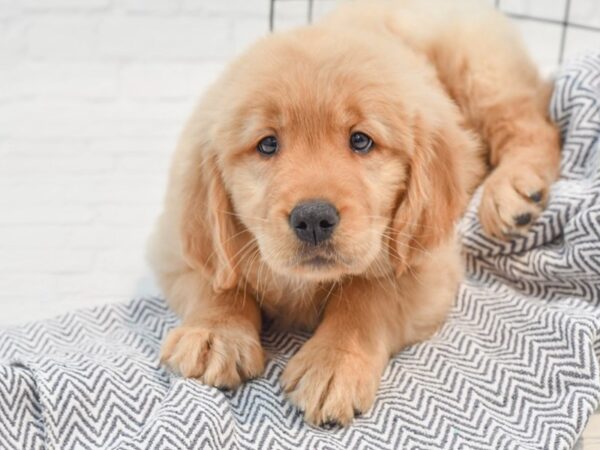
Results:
[515, 365]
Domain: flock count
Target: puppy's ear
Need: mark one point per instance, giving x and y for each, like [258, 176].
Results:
[208, 226]
[435, 195]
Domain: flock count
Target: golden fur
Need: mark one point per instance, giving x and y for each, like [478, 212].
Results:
[445, 90]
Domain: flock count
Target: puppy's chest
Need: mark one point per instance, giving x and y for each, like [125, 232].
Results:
[290, 303]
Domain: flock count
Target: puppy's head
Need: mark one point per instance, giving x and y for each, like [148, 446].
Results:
[335, 154]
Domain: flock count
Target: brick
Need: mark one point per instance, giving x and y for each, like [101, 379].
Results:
[183, 81]
[156, 80]
[46, 261]
[247, 31]
[97, 284]
[34, 285]
[33, 236]
[22, 214]
[62, 37]
[179, 81]
[40, 165]
[324, 7]
[580, 42]
[55, 120]
[27, 193]
[27, 296]
[54, 5]
[290, 15]
[12, 42]
[586, 12]
[175, 38]
[89, 195]
[140, 144]
[543, 42]
[9, 83]
[131, 214]
[66, 80]
[230, 8]
[151, 6]
[146, 164]
[102, 236]
[537, 8]
[116, 260]
[30, 146]
[9, 9]
[202, 76]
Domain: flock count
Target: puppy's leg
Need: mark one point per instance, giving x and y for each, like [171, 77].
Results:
[336, 373]
[218, 340]
[484, 67]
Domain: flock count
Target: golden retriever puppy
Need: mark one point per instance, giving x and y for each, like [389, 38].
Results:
[320, 180]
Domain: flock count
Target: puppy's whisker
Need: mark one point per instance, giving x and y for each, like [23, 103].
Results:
[246, 254]
[386, 277]
[406, 245]
[250, 264]
[378, 279]
[402, 222]
[408, 266]
[414, 275]
[333, 286]
[213, 253]
[241, 216]
[263, 269]
[243, 253]
[390, 232]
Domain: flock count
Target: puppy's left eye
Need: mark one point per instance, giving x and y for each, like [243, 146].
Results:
[361, 142]
[268, 146]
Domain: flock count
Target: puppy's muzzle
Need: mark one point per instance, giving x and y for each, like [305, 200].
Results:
[314, 221]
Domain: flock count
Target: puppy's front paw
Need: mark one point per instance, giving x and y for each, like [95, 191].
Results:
[513, 197]
[329, 384]
[221, 356]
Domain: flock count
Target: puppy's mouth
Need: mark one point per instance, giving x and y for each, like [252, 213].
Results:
[318, 262]
[321, 261]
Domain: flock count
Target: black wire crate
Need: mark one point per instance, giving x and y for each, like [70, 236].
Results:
[564, 19]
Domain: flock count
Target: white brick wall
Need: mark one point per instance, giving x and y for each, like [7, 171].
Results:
[92, 96]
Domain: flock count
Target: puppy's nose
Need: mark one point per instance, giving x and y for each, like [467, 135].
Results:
[314, 221]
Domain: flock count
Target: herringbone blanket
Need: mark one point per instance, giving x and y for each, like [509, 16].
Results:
[515, 366]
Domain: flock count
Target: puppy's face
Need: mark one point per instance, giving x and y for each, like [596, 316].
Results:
[314, 147]
[317, 180]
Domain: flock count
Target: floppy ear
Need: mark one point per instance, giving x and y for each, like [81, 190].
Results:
[435, 196]
[207, 225]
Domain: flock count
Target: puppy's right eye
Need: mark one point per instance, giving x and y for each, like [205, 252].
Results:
[361, 142]
[268, 146]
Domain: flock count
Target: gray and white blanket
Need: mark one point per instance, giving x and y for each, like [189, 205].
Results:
[515, 366]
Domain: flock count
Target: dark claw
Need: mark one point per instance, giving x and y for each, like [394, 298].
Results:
[536, 197]
[522, 219]
[331, 423]
[357, 413]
